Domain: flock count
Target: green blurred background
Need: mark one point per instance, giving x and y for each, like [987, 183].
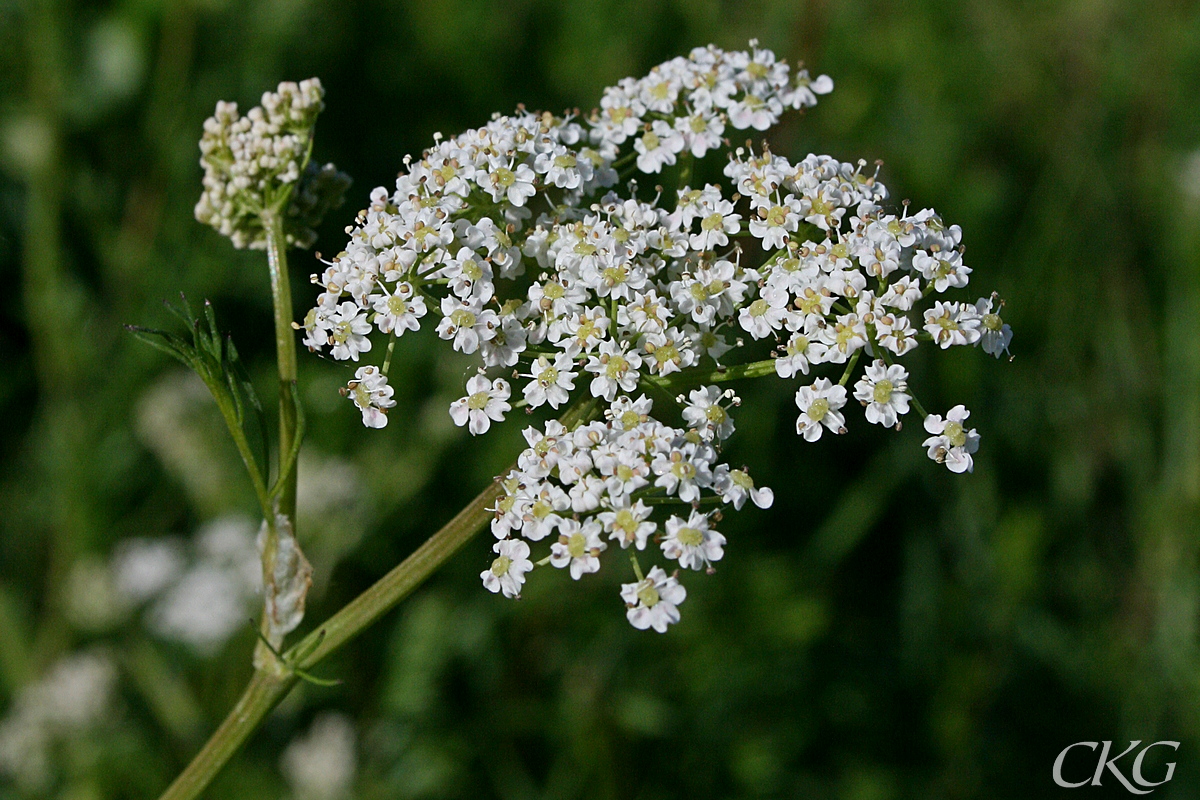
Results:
[887, 630]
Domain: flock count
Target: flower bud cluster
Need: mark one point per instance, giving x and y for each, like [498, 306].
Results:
[255, 163]
[520, 241]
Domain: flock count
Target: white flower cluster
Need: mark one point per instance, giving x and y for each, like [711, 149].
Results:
[513, 238]
[252, 163]
[615, 481]
[198, 596]
[74, 697]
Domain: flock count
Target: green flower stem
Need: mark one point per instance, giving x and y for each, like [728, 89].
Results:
[285, 346]
[737, 372]
[850, 368]
[285, 351]
[268, 687]
[262, 694]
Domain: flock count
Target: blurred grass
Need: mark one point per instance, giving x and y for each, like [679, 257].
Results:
[886, 631]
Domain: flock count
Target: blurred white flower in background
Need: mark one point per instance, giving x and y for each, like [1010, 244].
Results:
[72, 698]
[215, 597]
[320, 765]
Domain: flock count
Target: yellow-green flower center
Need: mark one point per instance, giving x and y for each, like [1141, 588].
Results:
[955, 433]
[396, 306]
[683, 471]
[614, 275]
[818, 409]
[668, 352]
[649, 596]
[577, 545]
[883, 391]
[504, 177]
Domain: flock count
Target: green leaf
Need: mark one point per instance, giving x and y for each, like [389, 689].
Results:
[212, 356]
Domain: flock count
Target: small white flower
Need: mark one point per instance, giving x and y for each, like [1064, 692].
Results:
[755, 112]
[542, 515]
[844, 337]
[736, 485]
[773, 223]
[952, 324]
[504, 181]
[701, 132]
[819, 406]
[507, 573]
[627, 413]
[371, 394]
[484, 403]
[552, 383]
[683, 472]
[717, 223]
[616, 369]
[883, 390]
[802, 349]
[765, 315]
[996, 333]
[657, 147]
[654, 601]
[578, 546]
[670, 351]
[628, 524]
[902, 294]
[951, 443]
[944, 270]
[349, 332]
[705, 413]
[896, 333]
[399, 311]
[692, 542]
[505, 346]
[466, 323]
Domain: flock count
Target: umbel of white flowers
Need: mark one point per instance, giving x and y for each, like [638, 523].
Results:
[519, 239]
[260, 164]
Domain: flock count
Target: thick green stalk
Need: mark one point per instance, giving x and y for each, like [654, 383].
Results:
[267, 688]
[263, 692]
[285, 352]
[285, 347]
